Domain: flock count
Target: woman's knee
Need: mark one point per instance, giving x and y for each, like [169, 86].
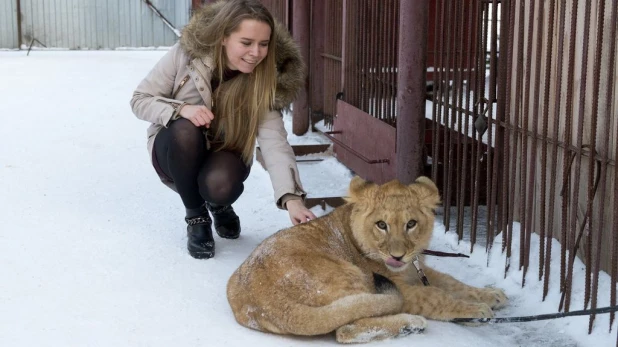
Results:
[220, 189]
[185, 134]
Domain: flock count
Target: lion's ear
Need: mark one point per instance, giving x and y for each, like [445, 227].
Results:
[358, 187]
[429, 194]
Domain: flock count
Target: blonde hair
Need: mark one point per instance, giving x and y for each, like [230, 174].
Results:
[240, 103]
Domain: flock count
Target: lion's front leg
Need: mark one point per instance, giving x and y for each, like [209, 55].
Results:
[494, 297]
[436, 303]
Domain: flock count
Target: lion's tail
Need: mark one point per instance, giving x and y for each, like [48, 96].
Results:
[307, 320]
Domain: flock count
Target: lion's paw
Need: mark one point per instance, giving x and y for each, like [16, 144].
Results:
[412, 324]
[476, 310]
[494, 297]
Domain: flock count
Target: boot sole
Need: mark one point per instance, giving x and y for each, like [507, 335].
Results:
[229, 237]
[202, 255]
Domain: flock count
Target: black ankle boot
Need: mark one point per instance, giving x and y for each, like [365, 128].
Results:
[200, 243]
[227, 223]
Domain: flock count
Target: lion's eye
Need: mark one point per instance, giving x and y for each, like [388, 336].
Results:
[411, 224]
[381, 225]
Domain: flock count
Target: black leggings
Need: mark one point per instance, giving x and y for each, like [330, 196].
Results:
[198, 174]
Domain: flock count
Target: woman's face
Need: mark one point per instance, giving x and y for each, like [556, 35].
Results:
[246, 47]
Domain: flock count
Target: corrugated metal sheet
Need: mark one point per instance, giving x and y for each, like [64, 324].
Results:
[101, 24]
[8, 24]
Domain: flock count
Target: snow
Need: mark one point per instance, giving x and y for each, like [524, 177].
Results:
[93, 247]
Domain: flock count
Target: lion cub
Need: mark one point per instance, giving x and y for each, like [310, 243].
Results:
[328, 274]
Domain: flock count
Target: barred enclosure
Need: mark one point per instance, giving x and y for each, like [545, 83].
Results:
[535, 99]
[520, 128]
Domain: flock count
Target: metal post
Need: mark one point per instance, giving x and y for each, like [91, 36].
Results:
[301, 21]
[411, 88]
[18, 9]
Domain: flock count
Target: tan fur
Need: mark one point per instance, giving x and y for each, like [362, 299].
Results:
[318, 277]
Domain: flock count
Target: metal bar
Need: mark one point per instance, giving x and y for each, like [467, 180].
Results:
[535, 126]
[523, 206]
[437, 93]
[552, 187]
[446, 144]
[608, 110]
[301, 25]
[19, 23]
[411, 89]
[481, 64]
[568, 133]
[545, 125]
[510, 142]
[592, 288]
[492, 168]
[502, 134]
[578, 157]
[162, 17]
[518, 98]
[460, 148]
[330, 56]
[329, 134]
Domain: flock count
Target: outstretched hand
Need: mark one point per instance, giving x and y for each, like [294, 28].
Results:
[199, 115]
[298, 212]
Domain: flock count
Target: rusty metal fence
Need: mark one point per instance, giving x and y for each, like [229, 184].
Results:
[521, 125]
[531, 94]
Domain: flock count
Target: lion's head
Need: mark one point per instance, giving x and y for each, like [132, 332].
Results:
[392, 223]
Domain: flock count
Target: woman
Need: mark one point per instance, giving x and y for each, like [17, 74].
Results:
[209, 98]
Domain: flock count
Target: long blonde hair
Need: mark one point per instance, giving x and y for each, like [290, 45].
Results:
[240, 103]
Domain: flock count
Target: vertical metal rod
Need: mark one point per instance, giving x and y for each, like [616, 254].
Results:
[523, 206]
[447, 113]
[578, 160]
[553, 170]
[467, 65]
[608, 111]
[438, 99]
[535, 130]
[594, 265]
[461, 132]
[19, 23]
[567, 140]
[544, 126]
[502, 131]
[510, 143]
[479, 146]
[411, 89]
[454, 153]
[518, 98]
[301, 24]
[492, 168]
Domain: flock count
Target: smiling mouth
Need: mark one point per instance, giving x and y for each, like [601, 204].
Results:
[250, 62]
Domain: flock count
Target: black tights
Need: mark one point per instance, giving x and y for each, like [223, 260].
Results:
[198, 174]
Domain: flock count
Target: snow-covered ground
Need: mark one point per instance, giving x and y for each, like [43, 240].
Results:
[92, 245]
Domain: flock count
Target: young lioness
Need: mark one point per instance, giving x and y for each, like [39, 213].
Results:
[328, 275]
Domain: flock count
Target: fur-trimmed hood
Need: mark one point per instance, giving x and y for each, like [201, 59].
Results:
[290, 65]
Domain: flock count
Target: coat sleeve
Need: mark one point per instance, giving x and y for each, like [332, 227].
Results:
[279, 158]
[152, 98]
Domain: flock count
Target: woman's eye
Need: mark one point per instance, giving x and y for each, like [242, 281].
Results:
[381, 225]
[264, 44]
[246, 43]
[411, 224]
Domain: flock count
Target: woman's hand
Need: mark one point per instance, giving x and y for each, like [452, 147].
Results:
[198, 115]
[298, 212]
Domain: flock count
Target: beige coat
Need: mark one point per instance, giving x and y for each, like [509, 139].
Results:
[152, 100]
